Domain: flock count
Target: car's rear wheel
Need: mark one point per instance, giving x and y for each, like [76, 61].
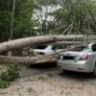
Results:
[94, 71]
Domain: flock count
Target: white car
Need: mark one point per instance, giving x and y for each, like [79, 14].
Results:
[42, 50]
[81, 59]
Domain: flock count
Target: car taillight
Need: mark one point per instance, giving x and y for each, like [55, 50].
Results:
[84, 57]
[41, 53]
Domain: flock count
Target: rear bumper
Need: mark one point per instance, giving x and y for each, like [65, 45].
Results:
[80, 66]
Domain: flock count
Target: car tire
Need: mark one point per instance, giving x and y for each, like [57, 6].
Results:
[94, 71]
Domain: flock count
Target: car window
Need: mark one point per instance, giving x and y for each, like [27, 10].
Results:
[79, 49]
[40, 47]
[94, 47]
[54, 47]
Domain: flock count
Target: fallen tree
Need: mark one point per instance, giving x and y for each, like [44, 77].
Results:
[20, 43]
[25, 42]
[35, 60]
[28, 60]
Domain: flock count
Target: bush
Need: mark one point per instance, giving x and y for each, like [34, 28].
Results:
[10, 75]
[4, 84]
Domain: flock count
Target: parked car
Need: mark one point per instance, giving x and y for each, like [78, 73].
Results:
[81, 59]
[43, 50]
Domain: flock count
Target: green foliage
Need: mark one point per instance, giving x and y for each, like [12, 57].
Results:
[43, 78]
[30, 90]
[4, 84]
[23, 14]
[22, 23]
[80, 13]
[10, 75]
[46, 2]
[50, 75]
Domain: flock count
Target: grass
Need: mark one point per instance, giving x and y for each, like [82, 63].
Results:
[94, 82]
[46, 77]
[62, 92]
[50, 75]
[30, 90]
[9, 75]
[43, 78]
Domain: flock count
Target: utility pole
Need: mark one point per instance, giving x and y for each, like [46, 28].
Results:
[12, 19]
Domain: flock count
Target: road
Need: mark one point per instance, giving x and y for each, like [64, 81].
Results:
[50, 81]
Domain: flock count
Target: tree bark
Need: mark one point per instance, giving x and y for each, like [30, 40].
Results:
[25, 42]
[27, 60]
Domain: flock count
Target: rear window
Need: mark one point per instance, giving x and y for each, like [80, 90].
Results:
[79, 49]
[41, 47]
[94, 47]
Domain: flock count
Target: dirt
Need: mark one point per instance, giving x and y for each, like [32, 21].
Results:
[50, 82]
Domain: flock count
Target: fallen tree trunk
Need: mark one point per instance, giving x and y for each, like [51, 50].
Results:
[25, 42]
[35, 60]
[27, 60]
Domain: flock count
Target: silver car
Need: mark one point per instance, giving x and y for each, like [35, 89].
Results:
[45, 49]
[80, 59]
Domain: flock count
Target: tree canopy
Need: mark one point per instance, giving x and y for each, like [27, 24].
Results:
[22, 23]
[53, 17]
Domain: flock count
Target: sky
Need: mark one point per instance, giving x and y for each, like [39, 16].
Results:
[41, 14]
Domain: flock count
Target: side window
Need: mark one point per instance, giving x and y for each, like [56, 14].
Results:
[40, 47]
[94, 47]
[54, 48]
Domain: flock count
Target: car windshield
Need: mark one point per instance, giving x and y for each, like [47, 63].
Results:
[79, 49]
[41, 47]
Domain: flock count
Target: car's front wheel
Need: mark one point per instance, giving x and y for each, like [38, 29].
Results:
[94, 71]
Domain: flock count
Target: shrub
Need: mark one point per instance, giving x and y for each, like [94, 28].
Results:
[10, 75]
[4, 84]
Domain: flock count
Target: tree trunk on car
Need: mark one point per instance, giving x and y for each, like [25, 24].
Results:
[25, 42]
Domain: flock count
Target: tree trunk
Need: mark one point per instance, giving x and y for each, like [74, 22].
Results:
[36, 60]
[25, 42]
[27, 60]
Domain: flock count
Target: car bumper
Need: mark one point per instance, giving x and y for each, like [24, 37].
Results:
[80, 66]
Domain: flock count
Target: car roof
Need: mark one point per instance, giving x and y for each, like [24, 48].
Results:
[90, 44]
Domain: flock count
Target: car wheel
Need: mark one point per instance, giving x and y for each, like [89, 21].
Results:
[94, 71]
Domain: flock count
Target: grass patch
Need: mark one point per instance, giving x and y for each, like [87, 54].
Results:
[10, 75]
[43, 78]
[30, 90]
[94, 82]
[4, 84]
[62, 92]
[50, 75]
